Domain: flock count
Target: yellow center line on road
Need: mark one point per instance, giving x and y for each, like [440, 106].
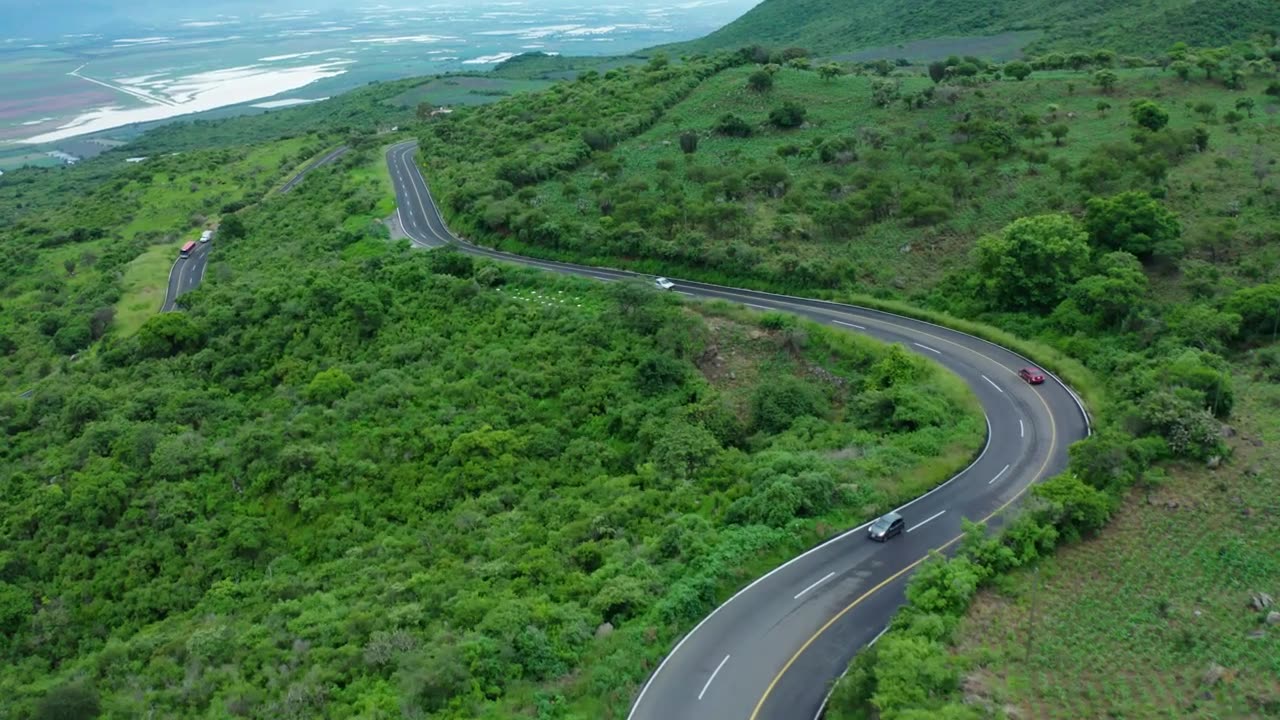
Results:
[1053, 445]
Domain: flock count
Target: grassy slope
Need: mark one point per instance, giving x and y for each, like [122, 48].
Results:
[464, 90]
[1127, 624]
[893, 256]
[833, 26]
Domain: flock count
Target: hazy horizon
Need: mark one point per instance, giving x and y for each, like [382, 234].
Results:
[55, 18]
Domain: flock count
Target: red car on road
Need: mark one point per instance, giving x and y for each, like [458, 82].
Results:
[1031, 375]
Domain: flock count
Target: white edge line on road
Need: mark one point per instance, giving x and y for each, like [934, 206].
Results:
[686, 293]
[848, 324]
[825, 578]
[926, 347]
[999, 475]
[992, 383]
[758, 307]
[928, 520]
[1022, 429]
[827, 698]
[713, 676]
[166, 291]
[810, 551]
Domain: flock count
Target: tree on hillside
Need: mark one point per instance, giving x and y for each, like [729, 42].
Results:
[75, 701]
[760, 81]
[1259, 309]
[1133, 222]
[688, 142]
[1017, 70]
[829, 71]
[1032, 263]
[1205, 109]
[1149, 115]
[789, 115]
[1106, 80]
[1182, 69]
[938, 71]
[884, 92]
[733, 126]
[231, 228]
[1079, 60]
[1058, 131]
[1246, 104]
[1114, 293]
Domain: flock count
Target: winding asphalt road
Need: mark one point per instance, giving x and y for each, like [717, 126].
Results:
[773, 649]
[185, 275]
[325, 160]
[188, 272]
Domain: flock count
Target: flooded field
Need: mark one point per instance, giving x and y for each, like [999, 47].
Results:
[70, 85]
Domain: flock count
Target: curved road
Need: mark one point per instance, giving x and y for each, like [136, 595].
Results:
[185, 275]
[772, 650]
[188, 272]
[325, 160]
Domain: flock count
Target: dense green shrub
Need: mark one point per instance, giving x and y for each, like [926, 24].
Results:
[1135, 223]
[1032, 263]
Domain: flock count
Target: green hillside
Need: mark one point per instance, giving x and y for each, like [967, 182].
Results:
[1138, 26]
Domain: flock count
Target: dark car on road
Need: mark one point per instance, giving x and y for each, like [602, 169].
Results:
[1031, 375]
[886, 527]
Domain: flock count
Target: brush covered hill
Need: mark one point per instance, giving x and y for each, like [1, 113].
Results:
[1137, 26]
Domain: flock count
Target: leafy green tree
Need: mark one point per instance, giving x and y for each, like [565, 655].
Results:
[1076, 508]
[885, 92]
[688, 142]
[760, 81]
[74, 701]
[329, 385]
[911, 671]
[15, 607]
[1149, 115]
[1017, 70]
[733, 126]
[1079, 60]
[1115, 292]
[596, 139]
[1246, 105]
[1106, 80]
[1203, 326]
[1259, 310]
[231, 228]
[683, 448]
[72, 338]
[1058, 131]
[775, 406]
[1133, 222]
[1033, 262]
[938, 71]
[943, 587]
[168, 334]
[829, 71]
[789, 115]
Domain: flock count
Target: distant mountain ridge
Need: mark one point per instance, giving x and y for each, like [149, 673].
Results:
[1128, 26]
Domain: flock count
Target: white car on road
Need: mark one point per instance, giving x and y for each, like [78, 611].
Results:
[664, 284]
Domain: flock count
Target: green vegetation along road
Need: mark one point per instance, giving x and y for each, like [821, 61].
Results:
[774, 647]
